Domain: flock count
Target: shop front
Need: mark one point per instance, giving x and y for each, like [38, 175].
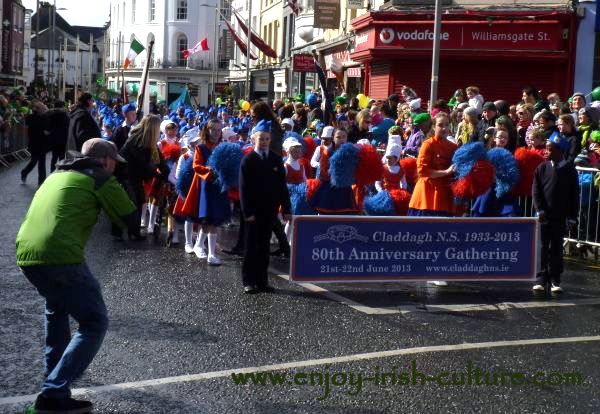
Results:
[500, 52]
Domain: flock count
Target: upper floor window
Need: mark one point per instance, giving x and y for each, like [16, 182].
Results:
[182, 10]
[181, 46]
[151, 10]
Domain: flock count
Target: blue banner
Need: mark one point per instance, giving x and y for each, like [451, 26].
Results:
[370, 249]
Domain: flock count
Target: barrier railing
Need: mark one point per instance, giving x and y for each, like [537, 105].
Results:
[13, 145]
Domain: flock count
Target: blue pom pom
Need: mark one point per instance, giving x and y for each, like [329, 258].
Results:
[381, 204]
[342, 166]
[507, 170]
[298, 201]
[466, 156]
[225, 160]
[185, 177]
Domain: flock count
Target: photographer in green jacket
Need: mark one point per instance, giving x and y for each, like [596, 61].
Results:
[50, 252]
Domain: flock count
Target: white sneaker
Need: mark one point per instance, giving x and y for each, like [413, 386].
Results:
[189, 248]
[150, 230]
[556, 288]
[201, 253]
[538, 287]
[213, 260]
[438, 283]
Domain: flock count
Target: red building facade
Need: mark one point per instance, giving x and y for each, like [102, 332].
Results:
[13, 40]
[499, 51]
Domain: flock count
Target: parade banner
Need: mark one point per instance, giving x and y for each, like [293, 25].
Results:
[377, 249]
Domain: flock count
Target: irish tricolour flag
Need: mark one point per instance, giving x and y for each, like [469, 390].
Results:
[135, 49]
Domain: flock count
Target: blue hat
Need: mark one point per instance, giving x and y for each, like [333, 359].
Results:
[560, 141]
[342, 117]
[128, 108]
[182, 123]
[292, 134]
[262, 126]
[311, 100]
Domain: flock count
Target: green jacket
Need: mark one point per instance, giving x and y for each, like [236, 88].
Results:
[64, 210]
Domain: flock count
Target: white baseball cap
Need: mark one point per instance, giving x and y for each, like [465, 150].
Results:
[227, 133]
[327, 132]
[287, 121]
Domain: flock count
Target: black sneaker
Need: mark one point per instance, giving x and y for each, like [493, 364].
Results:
[45, 405]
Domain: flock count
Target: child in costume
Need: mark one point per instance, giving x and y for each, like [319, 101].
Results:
[393, 176]
[171, 150]
[205, 202]
[184, 174]
[295, 175]
[326, 144]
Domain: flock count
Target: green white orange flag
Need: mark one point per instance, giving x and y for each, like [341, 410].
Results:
[135, 49]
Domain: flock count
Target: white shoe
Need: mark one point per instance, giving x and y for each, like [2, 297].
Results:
[150, 230]
[213, 260]
[538, 287]
[556, 288]
[438, 283]
[189, 248]
[201, 253]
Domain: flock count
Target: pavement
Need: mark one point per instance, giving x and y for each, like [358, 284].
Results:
[179, 329]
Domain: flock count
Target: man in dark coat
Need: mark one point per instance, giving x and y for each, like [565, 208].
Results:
[57, 126]
[122, 132]
[82, 125]
[37, 142]
[262, 190]
[556, 200]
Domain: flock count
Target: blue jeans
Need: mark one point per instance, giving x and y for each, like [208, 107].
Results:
[69, 290]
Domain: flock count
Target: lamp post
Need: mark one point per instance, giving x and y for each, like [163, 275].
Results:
[51, 70]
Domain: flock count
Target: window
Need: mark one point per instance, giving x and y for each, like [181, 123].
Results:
[181, 46]
[132, 11]
[151, 10]
[181, 10]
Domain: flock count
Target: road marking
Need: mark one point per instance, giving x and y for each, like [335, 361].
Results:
[344, 300]
[433, 308]
[310, 363]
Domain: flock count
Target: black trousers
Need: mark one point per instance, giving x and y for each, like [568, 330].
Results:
[552, 233]
[279, 231]
[256, 251]
[38, 158]
[57, 155]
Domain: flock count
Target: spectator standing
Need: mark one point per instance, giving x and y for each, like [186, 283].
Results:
[57, 126]
[82, 125]
[37, 142]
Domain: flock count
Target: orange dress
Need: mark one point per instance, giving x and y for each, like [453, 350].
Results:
[434, 194]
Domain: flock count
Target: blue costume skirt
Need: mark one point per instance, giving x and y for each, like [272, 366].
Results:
[298, 201]
[334, 200]
[214, 207]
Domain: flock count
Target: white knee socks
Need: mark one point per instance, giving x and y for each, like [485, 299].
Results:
[200, 240]
[212, 244]
[188, 229]
[152, 220]
[143, 223]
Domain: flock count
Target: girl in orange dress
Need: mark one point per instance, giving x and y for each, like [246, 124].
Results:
[432, 195]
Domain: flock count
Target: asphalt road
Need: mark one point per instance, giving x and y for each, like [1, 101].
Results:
[179, 328]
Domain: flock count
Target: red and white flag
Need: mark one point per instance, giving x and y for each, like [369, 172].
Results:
[295, 6]
[201, 46]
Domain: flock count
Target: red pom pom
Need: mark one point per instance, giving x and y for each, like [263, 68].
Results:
[477, 182]
[527, 161]
[409, 166]
[247, 150]
[401, 199]
[170, 151]
[370, 168]
[311, 145]
[312, 185]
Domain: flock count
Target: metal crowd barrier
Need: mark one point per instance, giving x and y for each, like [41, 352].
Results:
[13, 145]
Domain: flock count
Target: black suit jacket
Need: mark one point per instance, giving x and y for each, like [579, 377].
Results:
[556, 191]
[81, 128]
[262, 185]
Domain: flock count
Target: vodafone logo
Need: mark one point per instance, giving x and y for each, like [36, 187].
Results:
[386, 35]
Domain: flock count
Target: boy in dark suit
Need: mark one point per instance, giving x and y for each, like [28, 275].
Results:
[556, 199]
[262, 190]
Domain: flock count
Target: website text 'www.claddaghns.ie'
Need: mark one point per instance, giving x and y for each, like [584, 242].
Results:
[353, 382]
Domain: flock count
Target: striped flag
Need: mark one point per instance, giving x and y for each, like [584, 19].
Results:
[201, 46]
[240, 43]
[135, 49]
[295, 6]
[256, 39]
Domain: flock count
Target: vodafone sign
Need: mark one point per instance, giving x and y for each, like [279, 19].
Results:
[475, 35]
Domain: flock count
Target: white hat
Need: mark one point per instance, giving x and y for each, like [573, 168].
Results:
[394, 140]
[415, 104]
[291, 142]
[287, 121]
[227, 133]
[393, 150]
[327, 132]
[163, 125]
[363, 141]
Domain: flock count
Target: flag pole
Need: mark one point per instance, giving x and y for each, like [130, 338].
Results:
[248, 47]
[142, 91]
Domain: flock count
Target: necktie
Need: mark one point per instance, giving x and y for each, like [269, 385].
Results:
[263, 155]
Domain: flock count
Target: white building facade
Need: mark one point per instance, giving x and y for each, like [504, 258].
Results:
[173, 25]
